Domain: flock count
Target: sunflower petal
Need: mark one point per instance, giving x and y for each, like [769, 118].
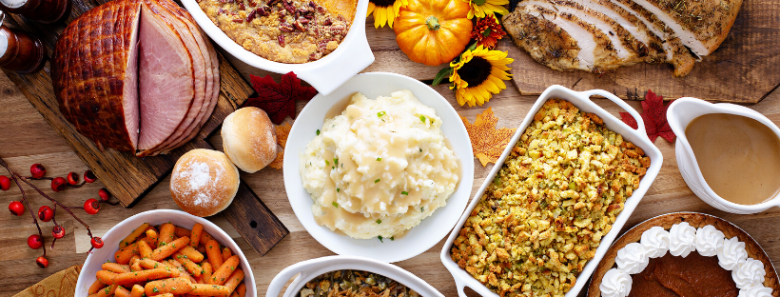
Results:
[380, 17]
[391, 14]
[371, 7]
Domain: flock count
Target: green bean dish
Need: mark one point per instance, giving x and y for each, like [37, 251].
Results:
[351, 283]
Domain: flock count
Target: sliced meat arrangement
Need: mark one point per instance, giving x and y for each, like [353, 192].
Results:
[601, 35]
[159, 84]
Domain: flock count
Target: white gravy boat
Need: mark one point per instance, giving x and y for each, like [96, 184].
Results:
[681, 112]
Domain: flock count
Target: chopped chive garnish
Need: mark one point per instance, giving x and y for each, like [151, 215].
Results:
[335, 161]
[318, 131]
[404, 193]
[336, 204]
[380, 114]
[422, 118]
[378, 221]
[380, 238]
[379, 159]
[422, 209]
[376, 181]
[421, 150]
[327, 163]
[338, 190]
[392, 238]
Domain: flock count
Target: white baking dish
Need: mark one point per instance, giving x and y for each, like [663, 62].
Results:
[582, 101]
[313, 268]
[326, 74]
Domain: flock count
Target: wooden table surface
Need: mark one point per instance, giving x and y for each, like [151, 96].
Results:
[26, 138]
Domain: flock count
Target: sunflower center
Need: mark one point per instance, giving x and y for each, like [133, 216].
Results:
[383, 3]
[476, 71]
[479, 2]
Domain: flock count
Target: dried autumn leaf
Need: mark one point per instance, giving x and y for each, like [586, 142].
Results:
[278, 99]
[654, 116]
[487, 142]
[278, 162]
[282, 131]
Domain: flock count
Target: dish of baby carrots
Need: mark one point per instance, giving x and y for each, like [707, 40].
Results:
[169, 261]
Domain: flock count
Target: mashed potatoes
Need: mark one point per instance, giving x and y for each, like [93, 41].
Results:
[380, 167]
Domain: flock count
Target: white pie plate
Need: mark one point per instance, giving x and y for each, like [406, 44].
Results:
[433, 228]
[582, 101]
[326, 74]
[154, 217]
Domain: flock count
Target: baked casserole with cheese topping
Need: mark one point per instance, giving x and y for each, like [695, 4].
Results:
[543, 216]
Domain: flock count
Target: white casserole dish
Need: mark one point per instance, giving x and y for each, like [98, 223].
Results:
[582, 101]
[313, 268]
[326, 74]
[154, 217]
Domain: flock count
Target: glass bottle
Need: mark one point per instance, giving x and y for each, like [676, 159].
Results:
[19, 51]
[44, 11]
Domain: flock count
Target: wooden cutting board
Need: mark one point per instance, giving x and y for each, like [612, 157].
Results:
[744, 69]
[126, 176]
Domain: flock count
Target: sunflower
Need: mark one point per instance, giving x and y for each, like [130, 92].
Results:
[481, 8]
[385, 11]
[478, 75]
[487, 32]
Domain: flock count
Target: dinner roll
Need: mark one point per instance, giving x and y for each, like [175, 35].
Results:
[204, 182]
[249, 139]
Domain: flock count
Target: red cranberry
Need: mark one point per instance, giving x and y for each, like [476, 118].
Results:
[89, 177]
[58, 232]
[73, 179]
[91, 206]
[45, 213]
[104, 194]
[16, 208]
[37, 171]
[35, 241]
[42, 262]
[5, 182]
[97, 242]
[58, 184]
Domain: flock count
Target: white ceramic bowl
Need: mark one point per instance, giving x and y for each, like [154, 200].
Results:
[681, 112]
[326, 74]
[582, 101]
[313, 268]
[433, 228]
[154, 217]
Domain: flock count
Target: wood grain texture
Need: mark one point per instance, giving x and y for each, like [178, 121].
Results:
[743, 69]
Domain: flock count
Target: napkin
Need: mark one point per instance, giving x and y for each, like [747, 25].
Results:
[60, 284]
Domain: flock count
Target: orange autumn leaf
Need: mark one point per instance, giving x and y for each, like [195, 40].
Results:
[487, 142]
[282, 131]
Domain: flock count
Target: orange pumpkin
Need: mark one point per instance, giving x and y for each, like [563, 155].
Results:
[433, 31]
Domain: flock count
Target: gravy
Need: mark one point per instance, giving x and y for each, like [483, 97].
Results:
[738, 156]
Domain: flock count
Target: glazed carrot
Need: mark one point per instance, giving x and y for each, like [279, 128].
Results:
[105, 292]
[134, 258]
[152, 264]
[182, 271]
[235, 279]
[172, 285]
[135, 264]
[209, 290]
[226, 253]
[137, 291]
[201, 249]
[205, 237]
[121, 292]
[207, 271]
[97, 285]
[191, 253]
[214, 255]
[234, 294]
[241, 290]
[190, 266]
[123, 255]
[133, 236]
[181, 232]
[129, 278]
[106, 277]
[220, 276]
[116, 268]
[195, 237]
[152, 235]
[167, 232]
[166, 295]
[144, 249]
[166, 250]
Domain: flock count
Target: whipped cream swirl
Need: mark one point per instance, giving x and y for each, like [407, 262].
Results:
[615, 283]
[731, 253]
[749, 273]
[655, 241]
[632, 258]
[755, 291]
[708, 240]
[682, 239]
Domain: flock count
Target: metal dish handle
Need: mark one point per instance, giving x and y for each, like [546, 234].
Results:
[638, 118]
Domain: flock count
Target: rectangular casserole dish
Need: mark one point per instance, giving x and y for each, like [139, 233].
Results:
[582, 101]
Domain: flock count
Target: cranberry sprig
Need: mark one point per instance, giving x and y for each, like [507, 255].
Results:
[46, 213]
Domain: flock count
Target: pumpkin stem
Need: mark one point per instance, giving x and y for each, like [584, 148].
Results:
[433, 23]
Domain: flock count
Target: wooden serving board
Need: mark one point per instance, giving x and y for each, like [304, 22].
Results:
[126, 176]
[744, 69]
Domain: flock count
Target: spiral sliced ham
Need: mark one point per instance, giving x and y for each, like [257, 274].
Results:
[136, 76]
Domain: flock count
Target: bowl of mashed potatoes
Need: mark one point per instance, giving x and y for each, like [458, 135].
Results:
[382, 167]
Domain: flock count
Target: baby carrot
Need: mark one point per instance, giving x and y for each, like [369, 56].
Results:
[235, 279]
[207, 271]
[195, 237]
[205, 237]
[167, 232]
[152, 235]
[137, 291]
[226, 253]
[106, 277]
[190, 266]
[191, 253]
[105, 292]
[135, 264]
[116, 268]
[144, 249]
[152, 264]
[123, 255]
[133, 236]
[172, 285]
[181, 232]
[220, 276]
[121, 292]
[129, 278]
[209, 290]
[166, 295]
[201, 249]
[182, 271]
[241, 290]
[214, 255]
[97, 285]
[166, 250]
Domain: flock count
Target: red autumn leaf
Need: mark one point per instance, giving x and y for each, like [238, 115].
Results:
[278, 99]
[654, 117]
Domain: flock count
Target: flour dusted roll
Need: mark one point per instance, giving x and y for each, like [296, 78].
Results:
[249, 139]
[204, 182]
